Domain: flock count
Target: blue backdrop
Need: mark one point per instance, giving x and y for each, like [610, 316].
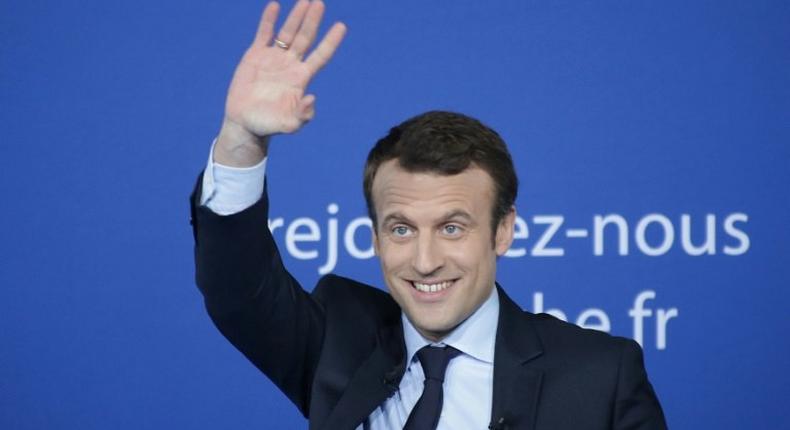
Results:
[652, 140]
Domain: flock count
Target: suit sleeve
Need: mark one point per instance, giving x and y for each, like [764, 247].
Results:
[636, 404]
[253, 300]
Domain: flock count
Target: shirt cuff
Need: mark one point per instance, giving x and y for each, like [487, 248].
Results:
[228, 190]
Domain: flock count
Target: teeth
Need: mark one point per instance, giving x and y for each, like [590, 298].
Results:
[431, 288]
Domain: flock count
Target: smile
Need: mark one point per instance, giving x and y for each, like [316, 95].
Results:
[432, 288]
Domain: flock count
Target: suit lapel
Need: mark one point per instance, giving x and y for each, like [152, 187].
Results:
[375, 380]
[516, 384]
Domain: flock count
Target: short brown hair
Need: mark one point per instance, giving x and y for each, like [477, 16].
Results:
[446, 143]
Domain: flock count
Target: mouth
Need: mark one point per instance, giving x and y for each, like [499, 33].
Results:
[432, 287]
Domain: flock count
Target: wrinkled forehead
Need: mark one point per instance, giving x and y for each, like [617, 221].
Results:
[430, 194]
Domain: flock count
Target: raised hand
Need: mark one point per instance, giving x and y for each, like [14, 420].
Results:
[267, 93]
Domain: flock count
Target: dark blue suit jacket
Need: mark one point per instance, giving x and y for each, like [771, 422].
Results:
[339, 352]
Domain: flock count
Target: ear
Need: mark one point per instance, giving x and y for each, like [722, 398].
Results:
[504, 232]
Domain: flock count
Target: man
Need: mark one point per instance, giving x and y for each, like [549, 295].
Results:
[446, 348]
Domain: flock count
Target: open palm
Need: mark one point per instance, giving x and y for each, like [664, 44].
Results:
[267, 94]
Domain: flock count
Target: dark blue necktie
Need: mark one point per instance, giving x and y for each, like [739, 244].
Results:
[425, 415]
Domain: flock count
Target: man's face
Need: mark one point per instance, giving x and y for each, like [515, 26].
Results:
[433, 237]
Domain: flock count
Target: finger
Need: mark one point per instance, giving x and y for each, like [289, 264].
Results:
[324, 51]
[293, 22]
[266, 26]
[304, 38]
[307, 107]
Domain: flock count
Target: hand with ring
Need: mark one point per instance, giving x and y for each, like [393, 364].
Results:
[267, 93]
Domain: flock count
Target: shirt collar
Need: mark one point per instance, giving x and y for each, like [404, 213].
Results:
[474, 337]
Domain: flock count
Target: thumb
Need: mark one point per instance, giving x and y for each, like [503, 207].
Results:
[307, 107]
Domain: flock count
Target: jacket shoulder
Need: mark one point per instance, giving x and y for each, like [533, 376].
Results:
[338, 293]
[577, 345]
[598, 374]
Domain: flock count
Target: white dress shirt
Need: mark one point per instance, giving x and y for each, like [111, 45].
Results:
[229, 190]
[469, 378]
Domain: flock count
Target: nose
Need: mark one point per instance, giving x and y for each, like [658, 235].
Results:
[428, 257]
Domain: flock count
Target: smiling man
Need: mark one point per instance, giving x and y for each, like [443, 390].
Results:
[440, 190]
[434, 242]
[446, 348]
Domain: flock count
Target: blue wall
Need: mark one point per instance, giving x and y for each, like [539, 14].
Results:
[650, 112]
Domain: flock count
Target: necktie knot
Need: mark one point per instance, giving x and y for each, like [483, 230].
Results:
[434, 360]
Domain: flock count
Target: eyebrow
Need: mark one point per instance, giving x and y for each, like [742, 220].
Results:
[396, 217]
[457, 214]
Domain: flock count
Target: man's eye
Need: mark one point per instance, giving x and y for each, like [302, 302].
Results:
[452, 229]
[400, 231]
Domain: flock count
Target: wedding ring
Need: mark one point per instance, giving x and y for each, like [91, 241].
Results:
[280, 43]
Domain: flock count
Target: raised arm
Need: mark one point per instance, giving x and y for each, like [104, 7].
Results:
[267, 95]
[256, 304]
